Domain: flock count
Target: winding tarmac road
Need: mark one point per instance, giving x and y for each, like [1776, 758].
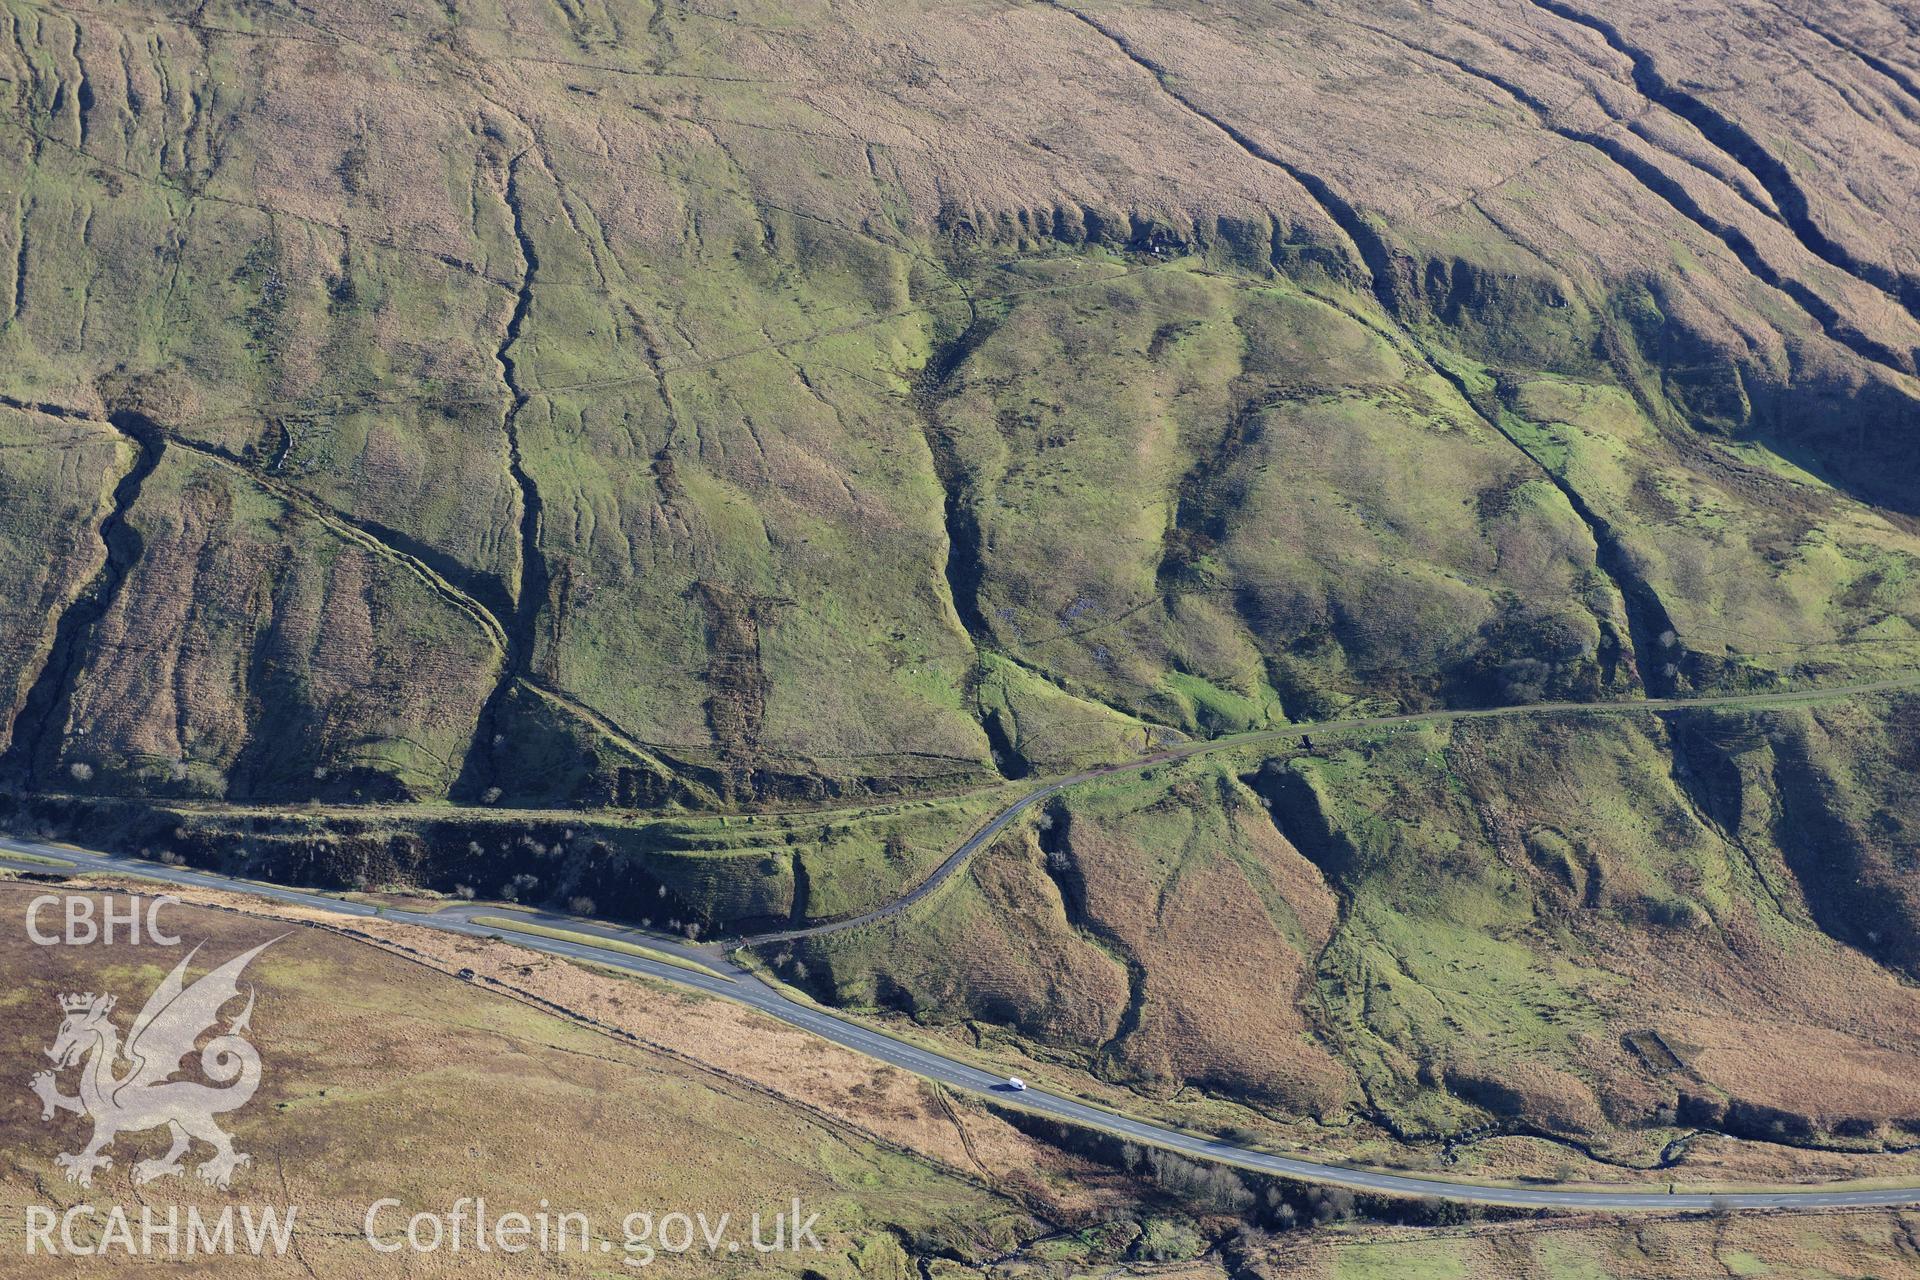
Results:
[727, 981]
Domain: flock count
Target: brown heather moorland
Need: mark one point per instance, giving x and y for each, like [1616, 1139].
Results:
[707, 458]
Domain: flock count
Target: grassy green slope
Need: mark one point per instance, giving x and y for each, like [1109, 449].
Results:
[786, 456]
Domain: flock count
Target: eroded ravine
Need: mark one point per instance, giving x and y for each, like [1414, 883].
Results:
[963, 558]
[478, 773]
[1657, 182]
[41, 714]
[1739, 143]
[532, 594]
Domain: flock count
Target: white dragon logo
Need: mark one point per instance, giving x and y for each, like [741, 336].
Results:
[143, 1096]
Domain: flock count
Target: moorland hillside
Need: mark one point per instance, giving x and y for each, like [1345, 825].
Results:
[433, 416]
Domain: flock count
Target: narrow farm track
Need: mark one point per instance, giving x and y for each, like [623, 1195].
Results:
[1325, 728]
